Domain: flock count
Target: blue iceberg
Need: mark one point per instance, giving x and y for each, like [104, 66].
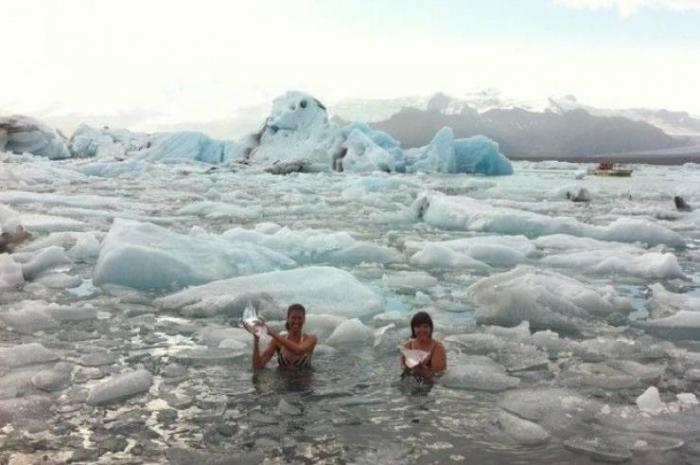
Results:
[445, 154]
[22, 134]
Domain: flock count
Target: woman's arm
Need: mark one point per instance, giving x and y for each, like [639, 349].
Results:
[305, 346]
[260, 360]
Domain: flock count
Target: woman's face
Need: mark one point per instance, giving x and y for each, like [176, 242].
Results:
[295, 320]
[422, 331]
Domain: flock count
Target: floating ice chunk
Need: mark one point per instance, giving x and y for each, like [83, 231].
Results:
[598, 375]
[212, 336]
[188, 145]
[143, 256]
[550, 342]
[381, 143]
[28, 320]
[19, 410]
[10, 272]
[120, 386]
[599, 448]
[559, 411]
[650, 401]
[687, 398]
[544, 298]
[114, 143]
[58, 280]
[325, 290]
[297, 130]
[216, 210]
[86, 247]
[523, 431]
[26, 354]
[493, 250]
[664, 303]
[652, 265]
[476, 373]
[211, 356]
[516, 333]
[365, 156]
[53, 379]
[647, 372]
[22, 134]
[465, 213]
[682, 325]
[409, 281]
[351, 333]
[445, 154]
[47, 259]
[571, 243]
[436, 255]
[313, 246]
[322, 325]
[9, 219]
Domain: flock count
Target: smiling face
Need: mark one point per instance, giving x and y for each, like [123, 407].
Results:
[295, 320]
[423, 331]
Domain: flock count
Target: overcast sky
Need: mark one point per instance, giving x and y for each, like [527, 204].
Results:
[179, 61]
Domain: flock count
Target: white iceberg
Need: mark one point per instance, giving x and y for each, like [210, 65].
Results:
[144, 256]
[22, 134]
[325, 290]
[546, 299]
[468, 214]
[652, 265]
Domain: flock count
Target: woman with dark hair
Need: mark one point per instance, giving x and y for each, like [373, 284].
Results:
[293, 347]
[423, 356]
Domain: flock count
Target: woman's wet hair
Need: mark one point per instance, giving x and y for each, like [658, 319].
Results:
[295, 308]
[421, 318]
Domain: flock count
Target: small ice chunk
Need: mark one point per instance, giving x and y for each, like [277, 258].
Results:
[414, 357]
[351, 332]
[120, 386]
[650, 401]
[26, 354]
[10, 272]
[251, 322]
[53, 379]
[409, 280]
[479, 375]
[47, 259]
[687, 398]
[523, 431]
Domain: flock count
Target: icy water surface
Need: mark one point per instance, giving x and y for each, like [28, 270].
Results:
[592, 279]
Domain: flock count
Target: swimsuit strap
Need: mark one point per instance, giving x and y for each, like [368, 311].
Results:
[303, 361]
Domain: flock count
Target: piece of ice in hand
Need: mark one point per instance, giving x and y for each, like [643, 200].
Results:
[413, 357]
[252, 322]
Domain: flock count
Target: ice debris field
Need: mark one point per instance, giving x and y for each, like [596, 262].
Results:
[572, 328]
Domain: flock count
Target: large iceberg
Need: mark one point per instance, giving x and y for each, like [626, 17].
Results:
[145, 256]
[298, 136]
[164, 147]
[325, 290]
[20, 134]
[445, 154]
[546, 299]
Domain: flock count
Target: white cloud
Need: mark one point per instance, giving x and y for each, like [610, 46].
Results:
[160, 63]
[630, 7]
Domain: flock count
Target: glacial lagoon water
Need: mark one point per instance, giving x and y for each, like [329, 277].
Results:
[113, 350]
